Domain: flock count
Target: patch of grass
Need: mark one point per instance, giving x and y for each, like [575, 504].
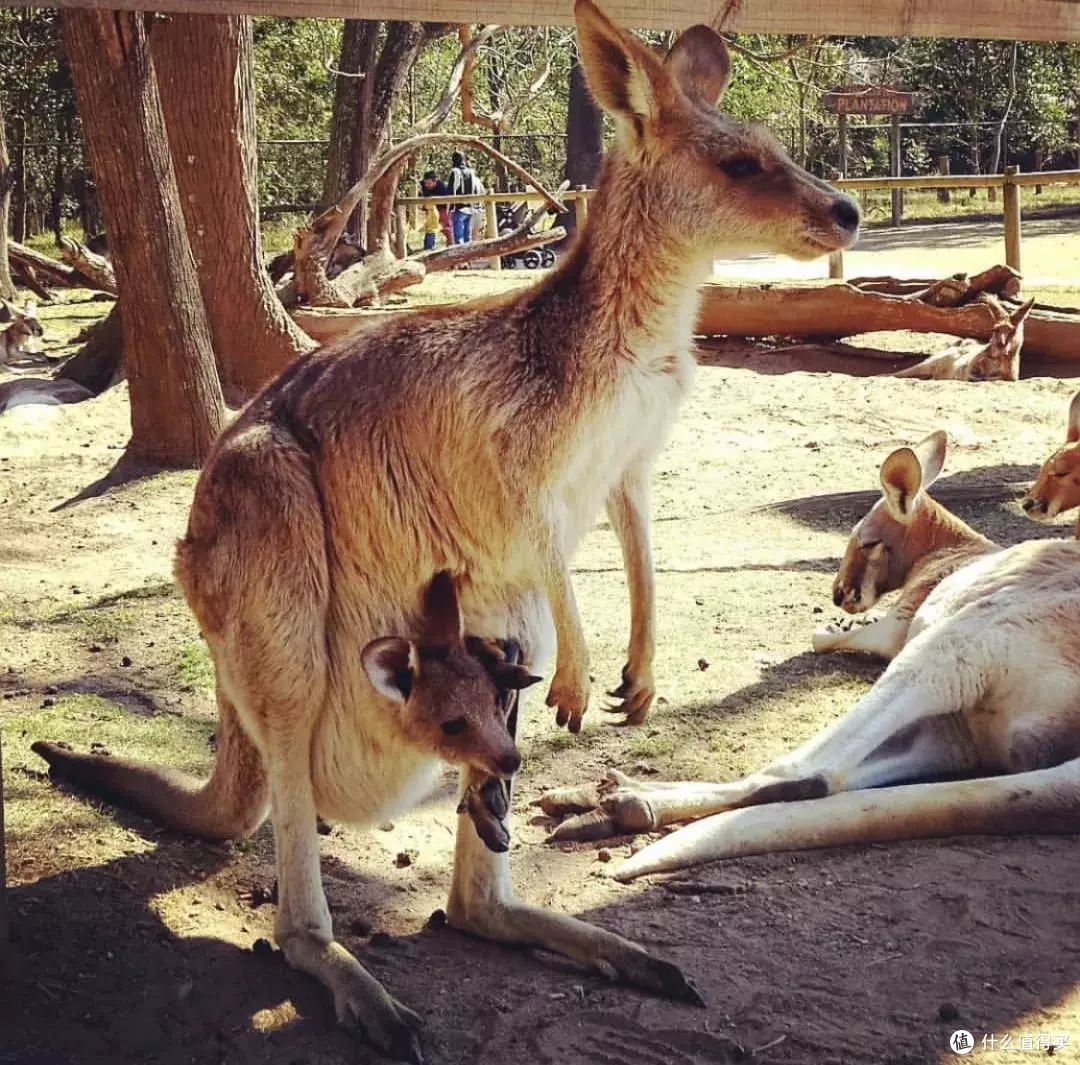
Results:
[194, 668]
[647, 745]
[106, 626]
[37, 813]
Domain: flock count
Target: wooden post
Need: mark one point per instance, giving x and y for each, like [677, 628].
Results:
[1038, 167]
[836, 266]
[492, 230]
[943, 167]
[897, 194]
[581, 208]
[1011, 207]
[401, 237]
[841, 121]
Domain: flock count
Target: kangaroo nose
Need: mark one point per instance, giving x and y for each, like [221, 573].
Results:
[845, 213]
[837, 595]
[509, 764]
[1027, 503]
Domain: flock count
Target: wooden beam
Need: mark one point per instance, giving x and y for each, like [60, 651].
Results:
[1037, 20]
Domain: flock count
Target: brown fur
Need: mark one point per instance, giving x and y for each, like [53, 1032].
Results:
[481, 440]
[22, 325]
[1057, 488]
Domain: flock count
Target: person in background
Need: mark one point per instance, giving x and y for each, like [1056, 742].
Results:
[464, 181]
[436, 215]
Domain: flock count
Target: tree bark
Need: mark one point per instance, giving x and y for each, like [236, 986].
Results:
[584, 140]
[7, 286]
[176, 403]
[210, 119]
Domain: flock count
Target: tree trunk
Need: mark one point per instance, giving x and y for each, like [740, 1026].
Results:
[18, 221]
[584, 140]
[7, 286]
[210, 120]
[359, 40]
[176, 404]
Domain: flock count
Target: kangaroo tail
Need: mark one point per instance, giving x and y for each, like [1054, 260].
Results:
[231, 804]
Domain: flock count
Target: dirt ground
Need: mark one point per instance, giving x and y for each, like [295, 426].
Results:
[134, 945]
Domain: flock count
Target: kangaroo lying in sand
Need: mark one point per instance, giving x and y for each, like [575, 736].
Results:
[481, 439]
[21, 326]
[907, 541]
[984, 679]
[996, 360]
[1057, 488]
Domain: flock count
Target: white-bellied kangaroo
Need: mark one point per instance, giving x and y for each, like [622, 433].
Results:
[1057, 488]
[483, 440]
[984, 679]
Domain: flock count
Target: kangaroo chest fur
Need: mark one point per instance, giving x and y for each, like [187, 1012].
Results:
[360, 772]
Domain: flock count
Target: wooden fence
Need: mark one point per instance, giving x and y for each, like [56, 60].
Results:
[1010, 183]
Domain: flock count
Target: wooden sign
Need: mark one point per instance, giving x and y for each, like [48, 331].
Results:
[868, 100]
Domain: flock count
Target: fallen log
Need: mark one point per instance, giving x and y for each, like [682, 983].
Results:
[378, 275]
[57, 272]
[26, 275]
[831, 311]
[95, 268]
[507, 244]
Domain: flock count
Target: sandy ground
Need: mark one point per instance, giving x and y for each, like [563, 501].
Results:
[133, 945]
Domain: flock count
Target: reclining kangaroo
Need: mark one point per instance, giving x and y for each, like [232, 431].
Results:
[984, 679]
[21, 326]
[482, 440]
[1057, 488]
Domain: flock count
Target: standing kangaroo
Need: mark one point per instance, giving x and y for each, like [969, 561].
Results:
[483, 440]
[1057, 488]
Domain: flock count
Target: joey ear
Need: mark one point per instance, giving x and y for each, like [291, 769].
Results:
[442, 623]
[931, 453]
[512, 677]
[700, 64]
[1073, 432]
[391, 665]
[901, 479]
[625, 77]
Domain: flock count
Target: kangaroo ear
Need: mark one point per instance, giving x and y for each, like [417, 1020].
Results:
[1022, 312]
[699, 63]
[442, 624]
[625, 77]
[391, 664]
[931, 455]
[5, 311]
[511, 677]
[1073, 432]
[901, 479]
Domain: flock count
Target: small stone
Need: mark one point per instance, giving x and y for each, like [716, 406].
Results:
[125, 661]
[603, 855]
[386, 826]
[219, 906]
[262, 948]
[403, 859]
[94, 648]
[703, 664]
[48, 702]
[360, 926]
[947, 1011]
[437, 920]
[51, 689]
[818, 610]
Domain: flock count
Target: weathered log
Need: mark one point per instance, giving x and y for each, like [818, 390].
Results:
[98, 364]
[1000, 280]
[833, 311]
[830, 311]
[27, 276]
[95, 268]
[57, 272]
[377, 275]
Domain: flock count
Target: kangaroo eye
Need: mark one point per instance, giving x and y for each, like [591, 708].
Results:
[742, 166]
[455, 727]
[870, 545]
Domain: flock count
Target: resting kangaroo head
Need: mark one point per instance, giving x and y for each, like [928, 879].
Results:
[24, 323]
[888, 541]
[716, 184]
[450, 689]
[1000, 359]
[1057, 488]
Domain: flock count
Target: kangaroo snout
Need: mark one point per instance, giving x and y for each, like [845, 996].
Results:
[845, 213]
